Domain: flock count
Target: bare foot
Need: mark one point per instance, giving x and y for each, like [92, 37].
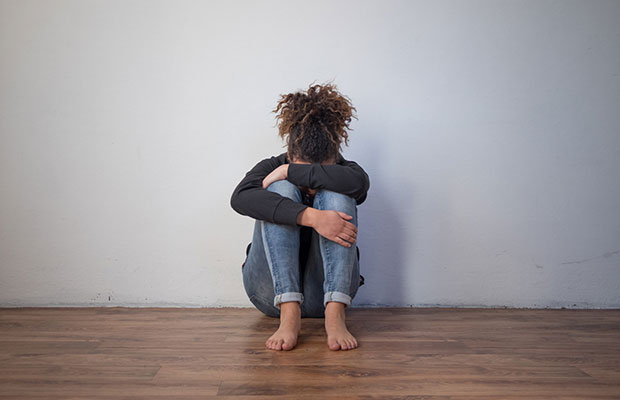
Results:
[285, 338]
[338, 336]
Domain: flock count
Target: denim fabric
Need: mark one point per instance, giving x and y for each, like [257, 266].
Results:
[273, 272]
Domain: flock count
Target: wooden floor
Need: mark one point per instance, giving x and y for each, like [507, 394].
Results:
[412, 353]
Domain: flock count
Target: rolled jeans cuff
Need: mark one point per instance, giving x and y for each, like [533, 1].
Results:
[288, 296]
[337, 296]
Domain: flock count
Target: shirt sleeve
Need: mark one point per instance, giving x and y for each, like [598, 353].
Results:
[250, 199]
[347, 177]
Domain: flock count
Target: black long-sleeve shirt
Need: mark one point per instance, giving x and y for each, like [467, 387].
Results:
[251, 199]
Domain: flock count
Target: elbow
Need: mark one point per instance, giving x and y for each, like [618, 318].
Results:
[363, 193]
[364, 184]
[234, 202]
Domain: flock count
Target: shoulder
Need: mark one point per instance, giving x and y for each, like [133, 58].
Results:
[272, 161]
[340, 159]
[280, 159]
[275, 160]
[343, 161]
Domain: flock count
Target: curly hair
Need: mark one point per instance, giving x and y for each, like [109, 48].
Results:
[314, 123]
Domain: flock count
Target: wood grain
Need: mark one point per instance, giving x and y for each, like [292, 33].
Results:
[403, 353]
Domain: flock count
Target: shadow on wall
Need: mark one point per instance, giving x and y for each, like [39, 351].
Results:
[383, 235]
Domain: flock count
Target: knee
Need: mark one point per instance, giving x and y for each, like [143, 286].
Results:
[286, 189]
[330, 200]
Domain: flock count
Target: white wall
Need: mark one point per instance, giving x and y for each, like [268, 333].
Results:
[490, 131]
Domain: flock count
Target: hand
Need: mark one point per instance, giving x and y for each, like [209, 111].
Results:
[334, 225]
[277, 174]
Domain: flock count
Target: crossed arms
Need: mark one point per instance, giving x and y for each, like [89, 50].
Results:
[251, 199]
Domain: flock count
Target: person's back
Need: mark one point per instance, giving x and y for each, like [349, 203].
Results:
[303, 254]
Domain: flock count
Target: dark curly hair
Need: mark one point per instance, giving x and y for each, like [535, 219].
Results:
[315, 122]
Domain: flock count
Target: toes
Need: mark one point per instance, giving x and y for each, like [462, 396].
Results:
[287, 346]
[273, 344]
[334, 346]
[281, 343]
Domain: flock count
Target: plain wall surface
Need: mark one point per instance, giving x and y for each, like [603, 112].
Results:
[490, 131]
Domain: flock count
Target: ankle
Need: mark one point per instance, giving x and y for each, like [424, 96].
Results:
[335, 306]
[290, 307]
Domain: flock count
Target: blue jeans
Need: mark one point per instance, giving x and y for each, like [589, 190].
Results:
[273, 272]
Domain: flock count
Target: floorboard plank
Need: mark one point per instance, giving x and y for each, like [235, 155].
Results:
[403, 353]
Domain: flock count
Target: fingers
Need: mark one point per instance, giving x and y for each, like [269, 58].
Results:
[346, 233]
[350, 234]
[350, 226]
[342, 242]
[347, 223]
[344, 215]
[350, 230]
[347, 239]
[344, 238]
